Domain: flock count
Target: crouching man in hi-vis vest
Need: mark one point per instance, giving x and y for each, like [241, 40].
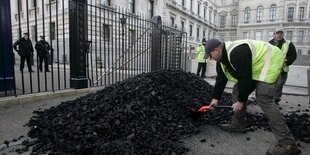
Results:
[253, 65]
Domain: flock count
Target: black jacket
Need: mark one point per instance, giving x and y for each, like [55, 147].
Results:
[291, 52]
[42, 47]
[25, 47]
[241, 59]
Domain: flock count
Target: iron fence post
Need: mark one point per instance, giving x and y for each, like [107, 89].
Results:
[156, 43]
[78, 38]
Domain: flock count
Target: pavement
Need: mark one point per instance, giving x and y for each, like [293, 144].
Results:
[15, 112]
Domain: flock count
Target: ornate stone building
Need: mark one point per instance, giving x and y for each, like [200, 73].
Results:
[224, 19]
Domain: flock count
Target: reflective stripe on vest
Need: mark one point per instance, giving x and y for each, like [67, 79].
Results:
[265, 58]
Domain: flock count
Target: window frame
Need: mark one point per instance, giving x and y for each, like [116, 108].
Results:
[247, 15]
[258, 37]
[290, 12]
[259, 14]
[150, 8]
[20, 4]
[234, 20]
[172, 21]
[106, 32]
[191, 30]
[273, 12]
[131, 6]
[191, 6]
[182, 25]
[198, 33]
[53, 30]
[289, 35]
[301, 35]
[222, 21]
[105, 2]
[301, 14]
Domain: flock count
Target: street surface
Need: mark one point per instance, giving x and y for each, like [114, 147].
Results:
[14, 117]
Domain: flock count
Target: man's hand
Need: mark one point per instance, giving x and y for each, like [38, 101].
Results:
[213, 103]
[238, 106]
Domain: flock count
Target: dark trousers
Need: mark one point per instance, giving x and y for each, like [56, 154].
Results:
[279, 85]
[201, 67]
[22, 63]
[41, 59]
[264, 98]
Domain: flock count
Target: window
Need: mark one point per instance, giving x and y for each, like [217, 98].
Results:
[52, 31]
[131, 6]
[19, 6]
[246, 15]
[308, 52]
[19, 32]
[204, 33]
[198, 9]
[300, 36]
[182, 25]
[272, 15]
[290, 13]
[210, 13]
[34, 3]
[132, 36]
[214, 15]
[222, 21]
[270, 35]
[198, 33]
[259, 14]
[299, 52]
[33, 33]
[172, 21]
[105, 32]
[289, 35]
[245, 35]
[191, 7]
[301, 12]
[209, 34]
[190, 30]
[106, 2]
[222, 37]
[150, 8]
[234, 20]
[258, 35]
[183, 2]
[204, 13]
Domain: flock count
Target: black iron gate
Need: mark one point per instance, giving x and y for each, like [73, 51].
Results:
[114, 46]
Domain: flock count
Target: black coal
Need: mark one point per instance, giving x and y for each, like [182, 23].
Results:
[146, 114]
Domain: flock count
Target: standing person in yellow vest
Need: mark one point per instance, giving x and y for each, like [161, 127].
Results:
[253, 65]
[200, 56]
[289, 51]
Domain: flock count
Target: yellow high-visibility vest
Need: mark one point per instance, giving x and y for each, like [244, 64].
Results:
[267, 60]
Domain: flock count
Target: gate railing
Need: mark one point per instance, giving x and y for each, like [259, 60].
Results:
[116, 45]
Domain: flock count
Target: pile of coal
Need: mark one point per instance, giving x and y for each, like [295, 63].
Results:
[146, 114]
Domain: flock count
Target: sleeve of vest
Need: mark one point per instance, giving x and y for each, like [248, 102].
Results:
[241, 59]
[220, 83]
[291, 54]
